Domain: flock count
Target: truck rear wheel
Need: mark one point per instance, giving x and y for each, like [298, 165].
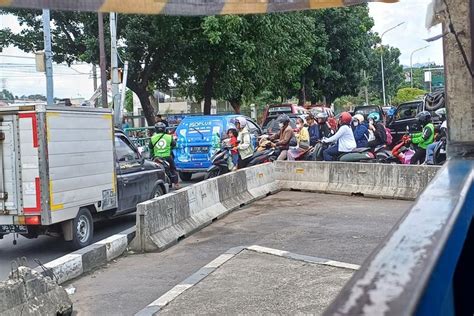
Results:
[83, 229]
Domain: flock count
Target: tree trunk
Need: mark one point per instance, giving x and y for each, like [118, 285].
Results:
[144, 97]
[302, 92]
[208, 91]
[235, 105]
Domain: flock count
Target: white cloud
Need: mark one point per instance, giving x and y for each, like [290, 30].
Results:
[411, 35]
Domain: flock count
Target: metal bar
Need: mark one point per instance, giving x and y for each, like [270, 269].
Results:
[114, 69]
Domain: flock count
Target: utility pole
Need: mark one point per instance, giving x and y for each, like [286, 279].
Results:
[124, 90]
[94, 76]
[48, 54]
[366, 90]
[102, 62]
[114, 69]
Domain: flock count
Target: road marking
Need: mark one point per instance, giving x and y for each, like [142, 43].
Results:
[157, 305]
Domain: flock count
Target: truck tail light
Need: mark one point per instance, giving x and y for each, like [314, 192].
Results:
[33, 220]
[28, 220]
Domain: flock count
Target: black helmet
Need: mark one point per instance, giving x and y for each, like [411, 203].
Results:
[323, 116]
[160, 127]
[424, 117]
[284, 119]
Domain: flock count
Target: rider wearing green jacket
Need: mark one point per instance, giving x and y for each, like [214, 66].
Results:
[424, 138]
[161, 145]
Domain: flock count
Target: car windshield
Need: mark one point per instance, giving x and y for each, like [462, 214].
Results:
[271, 125]
[366, 110]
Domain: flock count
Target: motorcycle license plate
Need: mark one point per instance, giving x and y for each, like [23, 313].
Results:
[199, 149]
[8, 229]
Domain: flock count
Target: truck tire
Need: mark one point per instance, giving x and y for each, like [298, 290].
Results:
[185, 176]
[82, 229]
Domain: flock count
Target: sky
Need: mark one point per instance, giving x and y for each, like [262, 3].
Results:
[19, 76]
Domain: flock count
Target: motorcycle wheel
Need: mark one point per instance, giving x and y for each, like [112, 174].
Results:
[213, 173]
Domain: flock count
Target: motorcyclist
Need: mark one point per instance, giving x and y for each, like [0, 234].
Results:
[343, 139]
[313, 129]
[441, 136]
[161, 145]
[424, 138]
[361, 131]
[244, 141]
[284, 137]
[324, 127]
[378, 129]
[302, 140]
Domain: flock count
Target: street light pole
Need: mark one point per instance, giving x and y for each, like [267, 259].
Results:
[381, 61]
[411, 63]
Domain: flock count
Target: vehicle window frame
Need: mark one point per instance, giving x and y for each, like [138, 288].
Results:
[255, 128]
[129, 146]
[412, 106]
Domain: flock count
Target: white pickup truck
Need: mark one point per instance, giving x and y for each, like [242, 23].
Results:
[62, 168]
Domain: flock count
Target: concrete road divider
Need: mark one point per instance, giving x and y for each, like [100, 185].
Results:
[261, 180]
[370, 180]
[233, 191]
[72, 265]
[163, 221]
[27, 292]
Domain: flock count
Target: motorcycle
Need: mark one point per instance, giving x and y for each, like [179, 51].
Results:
[222, 159]
[170, 177]
[439, 156]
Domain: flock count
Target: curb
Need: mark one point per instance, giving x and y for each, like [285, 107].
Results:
[84, 260]
[155, 307]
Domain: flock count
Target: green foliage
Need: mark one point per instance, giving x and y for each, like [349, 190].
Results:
[6, 95]
[129, 101]
[407, 94]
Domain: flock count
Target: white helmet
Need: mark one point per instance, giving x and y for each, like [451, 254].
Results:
[242, 121]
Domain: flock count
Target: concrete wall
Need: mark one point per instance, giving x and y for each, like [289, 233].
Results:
[370, 180]
[163, 221]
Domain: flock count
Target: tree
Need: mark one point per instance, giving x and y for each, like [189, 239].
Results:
[407, 94]
[129, 101]
[6, 95]
[151, 44]
[343, 50]
[237, 57]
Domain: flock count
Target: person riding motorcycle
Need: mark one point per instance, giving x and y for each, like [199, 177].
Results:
[313, 129]
[324, 127]
[343, 139]
[441, 136]
[284, 137]
[244, 141]
[424, 138]
[378, 130]
[161, 145]
[361, 131]
[302, 141]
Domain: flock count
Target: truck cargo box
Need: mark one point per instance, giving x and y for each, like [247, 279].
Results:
[53, 161]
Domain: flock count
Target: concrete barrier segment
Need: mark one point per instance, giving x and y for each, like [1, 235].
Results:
[233, 192]
[261, 180]
[303, 175]
[27, 292]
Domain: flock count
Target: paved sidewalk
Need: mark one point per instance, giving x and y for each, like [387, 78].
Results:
[340, 228]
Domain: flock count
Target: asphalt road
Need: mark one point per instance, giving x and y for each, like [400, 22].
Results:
[47, 248]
